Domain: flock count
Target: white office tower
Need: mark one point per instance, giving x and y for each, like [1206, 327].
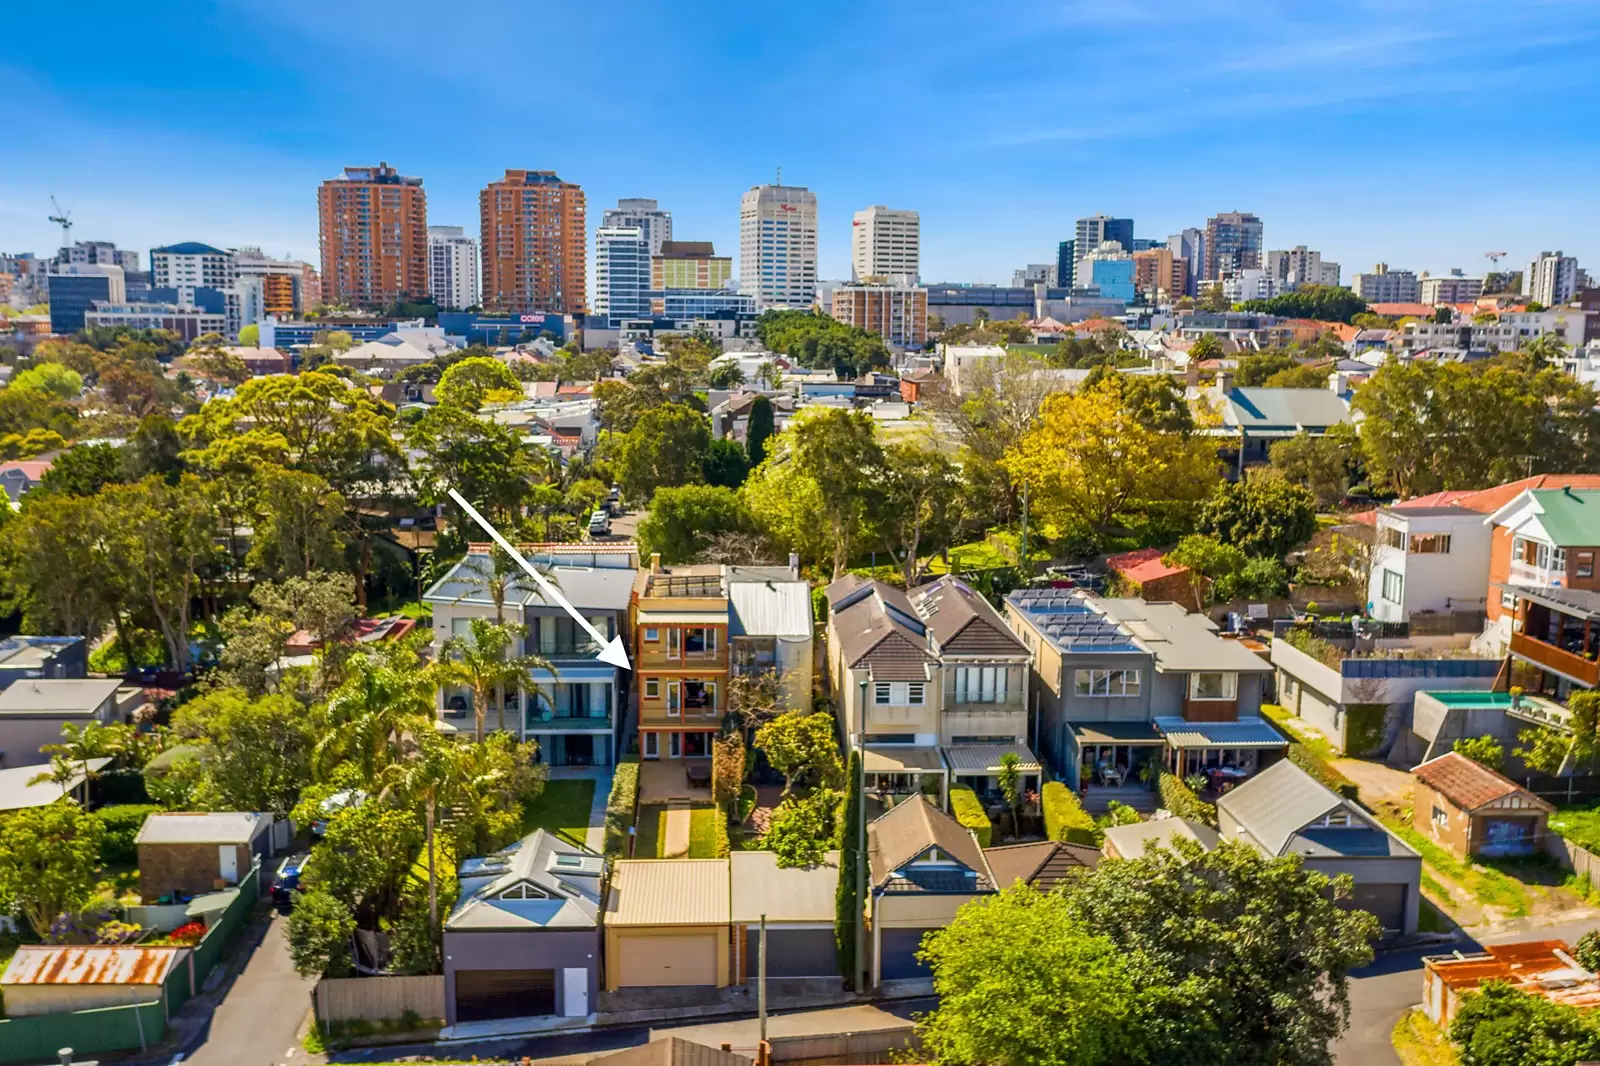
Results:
[1551, 279]
[646, 215]
[884, 243]
[191, 265]
[1189, 245]
[453, 268]
[621, 272]
[778, 246]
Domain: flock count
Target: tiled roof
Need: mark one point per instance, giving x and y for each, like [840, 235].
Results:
[1044, 865]
[1468, 784]
[905, 832]
[1143, 565]
[962, 622]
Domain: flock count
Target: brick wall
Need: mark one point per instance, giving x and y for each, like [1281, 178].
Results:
[1455, 834]
[1499, 569]
[187, 868]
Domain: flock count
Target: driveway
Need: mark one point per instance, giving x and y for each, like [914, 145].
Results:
[258, 1023]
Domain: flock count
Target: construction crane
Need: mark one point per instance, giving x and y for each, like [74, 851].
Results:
[1494, 257]
[64, 220]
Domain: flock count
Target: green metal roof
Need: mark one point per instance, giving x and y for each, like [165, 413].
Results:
[1570, 516]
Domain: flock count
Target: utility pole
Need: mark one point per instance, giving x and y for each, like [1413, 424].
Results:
[858, 917]
[761, 981]
[433, 882]
[1022, 559]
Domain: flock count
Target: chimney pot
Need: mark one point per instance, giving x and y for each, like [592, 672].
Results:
[655, 562]
[794, 565]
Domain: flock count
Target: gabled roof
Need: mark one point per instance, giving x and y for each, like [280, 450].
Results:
[1044, 864]
[1133, 841]
[566, 875]
[1143, 565]
[1263, 408]
[1471, 785]
[961, 622]
[1488, 501]
[602, 588]
[908, 830]
[1277, 809]
[878, 628]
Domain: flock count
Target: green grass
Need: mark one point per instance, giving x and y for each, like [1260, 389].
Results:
[1419, 1042]
[652, 830]
[1313, 743]
[562, 808]
[703, 832]
[1579, 824]
[1490, 887]
[652, 834]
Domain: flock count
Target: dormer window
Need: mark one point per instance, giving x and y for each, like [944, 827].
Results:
[523, 890]
[1339, 819]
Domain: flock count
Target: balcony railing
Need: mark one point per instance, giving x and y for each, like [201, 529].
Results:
[580, 649]
[545, 718]
[1528, 574]
[1585, 671]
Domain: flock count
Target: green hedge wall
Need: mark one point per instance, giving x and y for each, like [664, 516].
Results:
[1064, 816]
[964, 804]
[621, 804]
[1322, 771]
[1180, 799]
[121, 824]
[1363, 727]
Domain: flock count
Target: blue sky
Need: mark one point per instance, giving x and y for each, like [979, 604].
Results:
[1418, 132]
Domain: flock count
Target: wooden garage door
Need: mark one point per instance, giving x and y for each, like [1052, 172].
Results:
[650, 961]
[483, 995]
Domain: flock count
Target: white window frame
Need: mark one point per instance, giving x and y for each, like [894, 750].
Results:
[674, 699]
[882, 693]
[652, 635]
[1393, 586]
[1440, 818]
[1230, 685]
[916, 693]
[652, 688]
[1097, 682]
[652, 745]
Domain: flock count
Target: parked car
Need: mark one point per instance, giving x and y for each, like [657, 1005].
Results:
[287, 881]
[599, 524]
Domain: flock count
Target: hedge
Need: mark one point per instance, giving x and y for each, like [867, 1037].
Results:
[121, 824]
[1364, 728]
[1064, 816]
[1180, 799]
[1322, 771]
[621, 804]
[964, 804]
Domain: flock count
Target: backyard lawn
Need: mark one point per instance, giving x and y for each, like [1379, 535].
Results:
[653, 832]
[562, 808]
[647, 844]
[703, 832]
[1579, 824]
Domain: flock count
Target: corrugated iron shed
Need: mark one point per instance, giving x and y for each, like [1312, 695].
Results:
[91, 964]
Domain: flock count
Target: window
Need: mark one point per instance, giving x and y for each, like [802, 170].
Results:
[1441, 818]
[1106, 682]
[1508, 601]
[1430, 544]
[890, 738]
[1393, 538]
[1394, 587]
[700, 641]
[881, 692]
[1583, 565]
[1213, 686]
[674, 699]
[652, 635]
[652, 689]
[914, 693]
[981, 684]
[524, 891]
[461, 627]
[652, 746]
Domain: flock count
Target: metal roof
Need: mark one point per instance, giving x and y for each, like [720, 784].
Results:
[1182, 642]
[1580, 603]
[1263, 408]
[567, 876]
[18, 788]
[897, 759]
[1277, 809]
[1570, 516]
[783, 894]
[985, 758]
[57, 697]
[1132, 841]
[193, 827]
[1245, 733]
[604, 588]
[91, 964]
[668, 892]
[769, 609]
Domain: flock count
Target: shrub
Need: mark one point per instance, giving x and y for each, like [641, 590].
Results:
[621, 804]
[964, 804]
[1365, 728]
[1588, 950]
[121, 825]
[1182, 802]
[1064, 816]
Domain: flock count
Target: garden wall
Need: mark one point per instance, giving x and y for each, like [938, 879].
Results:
[376, 999]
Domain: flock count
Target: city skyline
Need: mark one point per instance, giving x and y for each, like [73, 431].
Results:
[1010, 163]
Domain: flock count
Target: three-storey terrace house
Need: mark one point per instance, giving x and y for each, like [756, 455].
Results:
[930, 685]
[1125, 688]
[572, 708]
[695, 628]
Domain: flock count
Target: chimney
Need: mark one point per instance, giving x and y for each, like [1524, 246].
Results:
[1224, 381]
[1191, 373]
[655, 562]
[794, 565]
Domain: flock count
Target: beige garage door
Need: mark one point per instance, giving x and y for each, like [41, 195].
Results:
[648, 961]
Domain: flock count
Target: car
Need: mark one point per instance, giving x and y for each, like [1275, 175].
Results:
[287, 881]
[599, 524]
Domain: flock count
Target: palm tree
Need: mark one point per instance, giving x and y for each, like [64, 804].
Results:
[78, 745]
[482, 664]
[387, 696]
[1010, 787]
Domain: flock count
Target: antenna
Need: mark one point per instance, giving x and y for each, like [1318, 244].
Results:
[64, 220]
[780, 176]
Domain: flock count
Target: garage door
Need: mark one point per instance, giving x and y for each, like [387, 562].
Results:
[900, 955]
[1388, 902]
[650, 961]
[795, 953]
[483, 995]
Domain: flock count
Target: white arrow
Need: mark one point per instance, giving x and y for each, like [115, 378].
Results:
[612, 651]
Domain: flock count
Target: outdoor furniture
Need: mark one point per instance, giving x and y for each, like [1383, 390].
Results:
[698, 774]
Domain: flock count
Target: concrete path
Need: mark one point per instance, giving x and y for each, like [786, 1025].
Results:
[675, 835]
[595, 837]
[258, 1023]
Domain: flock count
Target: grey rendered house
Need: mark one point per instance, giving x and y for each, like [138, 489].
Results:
[930, 684]
[1284, 810]
[1125, 687]
[524, 937]
[33, 710]
[571, 711]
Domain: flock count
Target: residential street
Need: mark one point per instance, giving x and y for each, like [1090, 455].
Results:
[258, 1022]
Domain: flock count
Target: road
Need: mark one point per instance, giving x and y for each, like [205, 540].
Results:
[258, 1022]
[1392, 985]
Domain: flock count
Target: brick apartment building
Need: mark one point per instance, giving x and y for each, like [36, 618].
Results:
[534, 244]
[374, 236]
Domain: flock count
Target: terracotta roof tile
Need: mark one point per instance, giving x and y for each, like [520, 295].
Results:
[1467, 784]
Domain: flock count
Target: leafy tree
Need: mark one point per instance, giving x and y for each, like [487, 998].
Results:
[815, 340]
[800, 745]
[1260, 578]
[84, 470]
[173, 777]
[162, 537]
[1320, 463]
[483, 663]
[725, 464]
[319, 932]
[1206, 346]
[250, 336]
[839, 450]
[1021, 978]
[1587, 951]
[787, 502]
[299, 524]
[22, 410]
[1090, 459]
[758, 430]
[684, 519]
[59, 569]
[53, 379]
[1192, 924]
[471, 383]
[1261, 515]
[154, 448]
[1209, 558]
[385, 698]
[1484, 750]
[210, 356]
[802, 831]
[1325, 303]
[256, 754]
[727, 772]
[1300, 376]
[667, 447]
[1010, 779]
[921, 505]
[482, 460]
[1503, 1026]
[48, 857]
[365, 856]
[726, 376]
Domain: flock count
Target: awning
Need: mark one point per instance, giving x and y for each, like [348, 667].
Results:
[892, 759]
[210, 903]
[1115, 733]
[985, 758]
[1248, 733]
[579, 671]
[1578, 603]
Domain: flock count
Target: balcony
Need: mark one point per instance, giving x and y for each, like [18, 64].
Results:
[996, 721]
[581, 649]
[887, 718]
[1540, 576]
[1569, 664]
[543, 719]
